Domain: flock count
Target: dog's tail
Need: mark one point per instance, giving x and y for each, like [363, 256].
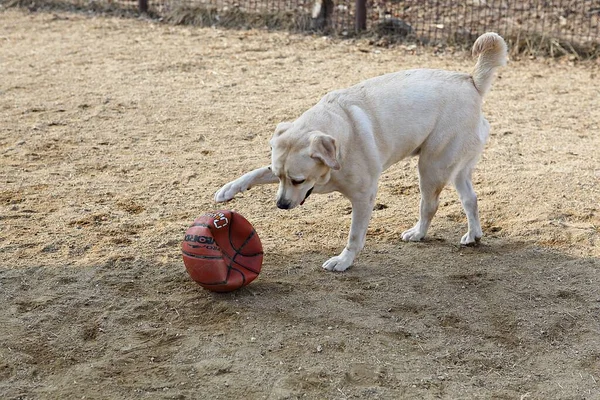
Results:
[492, 52]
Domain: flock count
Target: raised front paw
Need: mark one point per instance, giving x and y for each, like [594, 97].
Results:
[227, 192]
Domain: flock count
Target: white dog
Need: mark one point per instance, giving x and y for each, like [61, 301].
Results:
[352, 135]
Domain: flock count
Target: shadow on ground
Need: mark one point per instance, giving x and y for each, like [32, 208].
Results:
[417, 320]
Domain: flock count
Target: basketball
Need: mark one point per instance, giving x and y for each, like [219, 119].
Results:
[222, 251]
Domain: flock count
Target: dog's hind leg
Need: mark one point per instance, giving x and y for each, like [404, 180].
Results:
[432, 180]
[260, 176]
[468, 198]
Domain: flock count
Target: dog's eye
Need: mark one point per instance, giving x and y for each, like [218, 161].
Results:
[295, 182]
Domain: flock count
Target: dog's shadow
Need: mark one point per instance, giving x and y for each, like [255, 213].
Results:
[497, 280]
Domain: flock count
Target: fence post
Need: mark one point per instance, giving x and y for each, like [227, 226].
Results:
[143, 6]
[321, 14]
[361, 15]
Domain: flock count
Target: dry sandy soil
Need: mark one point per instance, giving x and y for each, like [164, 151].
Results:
[114, 135]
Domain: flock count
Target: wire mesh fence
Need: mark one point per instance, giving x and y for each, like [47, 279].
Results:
[429, 21]
[577, 21]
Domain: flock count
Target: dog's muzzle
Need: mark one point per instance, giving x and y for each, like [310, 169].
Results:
[307, 194]
[284, 205]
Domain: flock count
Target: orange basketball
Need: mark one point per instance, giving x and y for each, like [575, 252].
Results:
[221, 251]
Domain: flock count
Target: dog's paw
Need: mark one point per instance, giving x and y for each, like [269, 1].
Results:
[337, 263]
[413, 235]
[470, 239]
[227, 192]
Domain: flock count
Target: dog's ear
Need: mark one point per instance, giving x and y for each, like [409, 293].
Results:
[281, 127]
[324, 148]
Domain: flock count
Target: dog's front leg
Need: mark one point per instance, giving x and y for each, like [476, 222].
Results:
[260, 176]
[362, 208]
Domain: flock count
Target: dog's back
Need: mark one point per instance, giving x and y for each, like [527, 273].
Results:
[423, 107]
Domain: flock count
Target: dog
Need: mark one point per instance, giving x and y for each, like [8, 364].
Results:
[351, 136]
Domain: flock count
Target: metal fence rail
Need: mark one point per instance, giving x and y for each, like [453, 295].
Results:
[428, 21]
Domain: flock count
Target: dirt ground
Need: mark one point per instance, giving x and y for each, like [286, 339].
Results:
[114, 135]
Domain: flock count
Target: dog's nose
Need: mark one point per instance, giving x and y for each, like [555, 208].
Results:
[283, 204]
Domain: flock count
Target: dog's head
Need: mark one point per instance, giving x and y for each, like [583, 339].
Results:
[301, 160]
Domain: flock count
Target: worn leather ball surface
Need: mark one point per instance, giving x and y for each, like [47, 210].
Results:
[222, 251]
